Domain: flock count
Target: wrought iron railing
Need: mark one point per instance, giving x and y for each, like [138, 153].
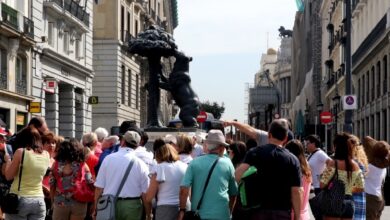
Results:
[21, 86]
[75, 9]
[9, 15]
[3, 80]
[28, 27]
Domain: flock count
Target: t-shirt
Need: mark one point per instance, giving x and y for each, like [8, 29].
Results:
[374, 180]
[221, 185]
[169, 176]
[145, 156]
[317, 163]
[279, 170]
[262, 137]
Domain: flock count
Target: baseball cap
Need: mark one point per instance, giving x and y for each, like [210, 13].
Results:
[132, 137]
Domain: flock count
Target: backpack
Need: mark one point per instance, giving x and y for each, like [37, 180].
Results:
[250, 189]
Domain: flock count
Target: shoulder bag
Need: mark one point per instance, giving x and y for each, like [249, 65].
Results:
[194, 215]
[10, 203]
[105, 208]
[84, 191]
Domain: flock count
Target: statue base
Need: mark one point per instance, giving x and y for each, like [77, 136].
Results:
[155, 133]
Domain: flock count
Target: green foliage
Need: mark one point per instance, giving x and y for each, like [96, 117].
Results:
[213, 108]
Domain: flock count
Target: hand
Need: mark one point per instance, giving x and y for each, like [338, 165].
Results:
[180, 216]
[227, 123]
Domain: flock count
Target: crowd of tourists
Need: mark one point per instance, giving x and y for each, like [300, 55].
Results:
[189, 176]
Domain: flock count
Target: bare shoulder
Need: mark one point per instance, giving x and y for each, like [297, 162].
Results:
[355, 166]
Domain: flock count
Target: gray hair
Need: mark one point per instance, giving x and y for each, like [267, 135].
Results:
[113, 139]
[101, 133]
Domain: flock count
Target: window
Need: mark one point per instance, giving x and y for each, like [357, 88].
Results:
[385, 75]
[21, 75]
[378, 81]
[359, 94]
[129, 87]
[373, 83]
[363, 90]
[66, 42]
[384, 132]
[122, 21]
[128, 23]
[136, 91]
[3, 69]
[123, 80]
[378, 126]
[50, 33]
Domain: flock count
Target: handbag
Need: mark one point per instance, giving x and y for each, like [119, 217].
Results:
[332, 196]
[10, 202]
[105, 207]
[84, 191]
[194, 215]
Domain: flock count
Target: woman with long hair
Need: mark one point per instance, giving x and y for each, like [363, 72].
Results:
[68, 168]
[165, 182]
[296, 148]
[184, 147]
[359, 198]
[28, 166]
[90, 141]
[237, 151]
[348, 172]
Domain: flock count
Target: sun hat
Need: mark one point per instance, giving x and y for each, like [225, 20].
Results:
[216, 137]
[132, 137]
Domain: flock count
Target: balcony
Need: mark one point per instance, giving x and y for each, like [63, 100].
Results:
[9, 16]
[3, 80]
[76, 10]
[21, 86]
[28, 27]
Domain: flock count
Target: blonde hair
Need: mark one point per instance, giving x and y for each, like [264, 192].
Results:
[184, 144]
[358, 152]
[166, 153]
[89, 139]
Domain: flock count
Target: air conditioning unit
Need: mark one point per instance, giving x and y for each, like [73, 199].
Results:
[44, 39]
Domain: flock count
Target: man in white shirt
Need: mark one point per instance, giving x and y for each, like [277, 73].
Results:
[317, 160]
[142, 153]
[111, 173]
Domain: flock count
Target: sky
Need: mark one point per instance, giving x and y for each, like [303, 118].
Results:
[226, 39]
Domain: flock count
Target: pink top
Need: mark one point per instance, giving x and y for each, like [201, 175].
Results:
[306, 183]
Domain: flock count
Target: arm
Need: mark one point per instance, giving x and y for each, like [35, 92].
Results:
[184, 192]
[247, 129]
[151, 193]
[296, 200]
[12, 168]
[241, 170]
[147, 206]
[232, 202]
[98, 193]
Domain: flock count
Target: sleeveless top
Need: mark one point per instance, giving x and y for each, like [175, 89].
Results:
[34, 168]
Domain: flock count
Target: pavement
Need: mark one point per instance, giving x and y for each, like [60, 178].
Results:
[385, 214]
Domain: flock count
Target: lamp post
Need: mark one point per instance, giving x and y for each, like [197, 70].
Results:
[348, 59]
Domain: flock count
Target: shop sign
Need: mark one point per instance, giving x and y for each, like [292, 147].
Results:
[35, 107]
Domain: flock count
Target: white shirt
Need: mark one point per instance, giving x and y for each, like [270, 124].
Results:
[317, 164]
[185, 158]
[145, 156]
[374, 179]
[198, 151]
[169, 176]
[113, 169]
[262, 137]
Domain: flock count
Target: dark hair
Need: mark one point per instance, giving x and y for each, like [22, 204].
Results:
[129, 125]
[37, 122]
[314, 139]
[250, 143]
[144, 138]
[29, 138]
[239, 151]
[158, 143]
[70, 151]
[343, 151]
[48, 137]
[296, 148]
[278, 129]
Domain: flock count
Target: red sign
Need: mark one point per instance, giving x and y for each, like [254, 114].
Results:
[201, 117]
[325, 117]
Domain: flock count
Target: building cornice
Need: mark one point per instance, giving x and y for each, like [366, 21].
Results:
[16, 95]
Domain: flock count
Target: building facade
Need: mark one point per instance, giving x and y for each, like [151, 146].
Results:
[16, 60]
[120, 77]
[370, 67]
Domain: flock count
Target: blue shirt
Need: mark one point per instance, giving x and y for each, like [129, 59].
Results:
[222, 185]
[105, 153]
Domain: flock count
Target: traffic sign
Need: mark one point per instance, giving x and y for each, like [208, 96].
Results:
[349, 102]
[325, 117]
[201, 117]
[276, 116]
[93, 100]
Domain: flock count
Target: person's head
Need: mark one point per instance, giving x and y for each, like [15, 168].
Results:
[358, 151]
[278, 131]
[131, 139]
[250, 143]
[49, 141]
[3, 135]
[144, 138]
[215, 141]
[30, 138]
[109, 141]
[312, 143]
[101, 133]
[184, 144]
[296, 148]
[38, 123]
[70, 151]
[158, 143]
[380, 154]
[166, 153]
[237, 152]
[90, 140]
[343, 150]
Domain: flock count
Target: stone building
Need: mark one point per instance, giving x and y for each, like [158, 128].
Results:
[17, 41]
[370, 67]
[62, 75]
[120, 77]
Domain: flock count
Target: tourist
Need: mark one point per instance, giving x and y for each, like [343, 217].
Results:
[184, 147]
[236, 152]
[89, 142]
